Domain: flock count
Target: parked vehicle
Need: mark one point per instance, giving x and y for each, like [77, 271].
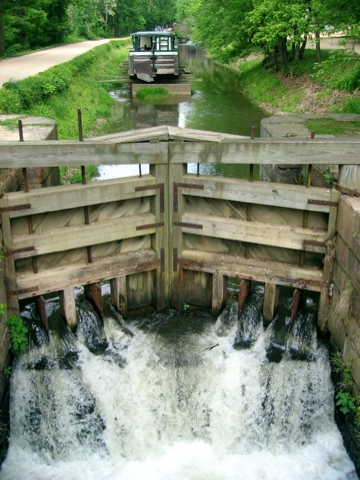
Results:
[153, 55]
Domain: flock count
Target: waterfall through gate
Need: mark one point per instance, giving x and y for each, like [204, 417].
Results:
[175, 396]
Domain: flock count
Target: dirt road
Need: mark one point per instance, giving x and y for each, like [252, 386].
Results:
[18, 68]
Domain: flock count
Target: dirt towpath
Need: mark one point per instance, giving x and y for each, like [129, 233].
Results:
[18, 68]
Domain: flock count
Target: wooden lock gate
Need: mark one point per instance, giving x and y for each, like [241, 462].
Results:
[169, 237]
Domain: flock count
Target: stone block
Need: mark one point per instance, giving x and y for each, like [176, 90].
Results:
[336, 326]
[355, 371]
[348, 223]
[340, 279]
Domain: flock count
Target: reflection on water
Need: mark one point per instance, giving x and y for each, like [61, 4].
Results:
[216, 104]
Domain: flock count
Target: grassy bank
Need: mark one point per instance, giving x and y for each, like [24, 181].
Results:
[59, 92]
[331, 86]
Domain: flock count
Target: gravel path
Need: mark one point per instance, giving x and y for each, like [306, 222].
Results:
[18, 68]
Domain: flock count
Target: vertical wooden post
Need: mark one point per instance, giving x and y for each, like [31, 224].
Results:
[244, 291]
[160, 241]
[41, 308]
[323, 311]
[176, 173]
[329, 259]
[219, 292]
[115, 293]
[330, 243]
[119, 294]
[271, 301]
[92, 293]
[12, 300]
[295, 304]
[68, 308]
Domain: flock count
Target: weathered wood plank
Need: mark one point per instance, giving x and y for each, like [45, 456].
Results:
[68, 238]
[309, 278]
[137, 150]
[160, 132]
[190, 134]
[261, 193]
[271, 299]
[52, 153]
[8, 266]
[219, 293]
[281, 236]
[268, 151]
[68, 307]
[73, 196]
[73, 275]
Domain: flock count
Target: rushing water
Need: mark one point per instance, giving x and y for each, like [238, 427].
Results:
[175, 397]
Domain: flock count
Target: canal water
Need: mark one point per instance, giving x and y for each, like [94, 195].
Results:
[216, 104]
[177, 395]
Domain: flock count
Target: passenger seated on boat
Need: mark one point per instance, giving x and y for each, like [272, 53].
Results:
[146, 47]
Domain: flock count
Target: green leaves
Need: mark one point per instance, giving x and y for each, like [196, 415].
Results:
[18, 334]
[345, 401]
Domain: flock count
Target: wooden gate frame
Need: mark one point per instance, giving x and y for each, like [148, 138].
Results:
[167, 151]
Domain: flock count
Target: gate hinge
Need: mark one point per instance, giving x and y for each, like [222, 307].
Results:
[15, 207]
[178, 185]
[159, 186]
[150, 225]
[188, 225]
[323, 202]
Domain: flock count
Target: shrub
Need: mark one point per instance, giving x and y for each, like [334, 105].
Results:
[18, 334]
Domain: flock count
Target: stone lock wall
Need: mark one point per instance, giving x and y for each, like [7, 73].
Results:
[344, 313]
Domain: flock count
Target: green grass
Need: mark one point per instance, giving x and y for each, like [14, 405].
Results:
[74, 175]
[305, 86]
[329, 126]
[59, 92]
[10, 123]
[152, 94]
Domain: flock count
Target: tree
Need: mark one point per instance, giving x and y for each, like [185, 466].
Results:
[273, 23]
[220, 26]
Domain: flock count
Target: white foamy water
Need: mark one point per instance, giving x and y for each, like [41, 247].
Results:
[174, 402]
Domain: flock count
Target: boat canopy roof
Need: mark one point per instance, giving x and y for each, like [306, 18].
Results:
[156, 40]
[154, 33]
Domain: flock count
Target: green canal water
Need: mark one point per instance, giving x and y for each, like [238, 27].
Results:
[216, 104]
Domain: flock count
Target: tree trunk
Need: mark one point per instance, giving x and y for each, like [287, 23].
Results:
[283, 50]
[2, 43]
[273, 58]
[302, 48]
[317, 40]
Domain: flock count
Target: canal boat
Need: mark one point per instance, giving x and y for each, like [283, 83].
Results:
[153, 56]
